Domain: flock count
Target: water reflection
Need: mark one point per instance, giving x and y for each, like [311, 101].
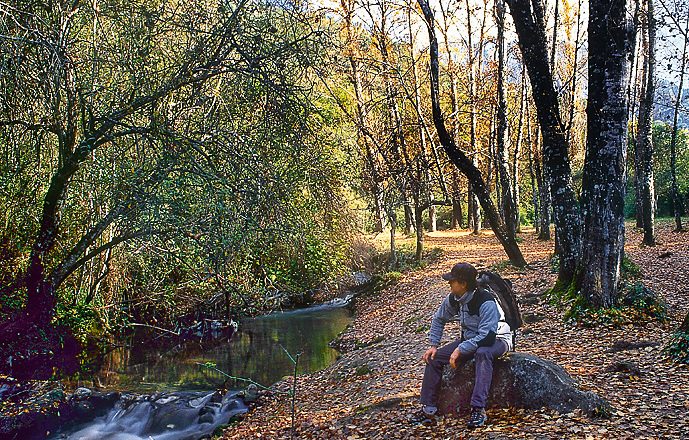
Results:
[254, 352]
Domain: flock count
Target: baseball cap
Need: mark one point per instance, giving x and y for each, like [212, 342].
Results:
[461, 272]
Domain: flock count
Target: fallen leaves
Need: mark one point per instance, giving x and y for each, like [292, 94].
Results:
[336, 403]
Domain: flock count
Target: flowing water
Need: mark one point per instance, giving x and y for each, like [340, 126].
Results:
[169, 416]
[257, 351]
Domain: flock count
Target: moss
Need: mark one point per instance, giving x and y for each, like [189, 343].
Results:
[363, 370]
[630, 270]
[499, 267]
[554, 264]
[638, 305]
[562, 294]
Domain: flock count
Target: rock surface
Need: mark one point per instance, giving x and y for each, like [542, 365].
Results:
[522, 381]
[42, 412]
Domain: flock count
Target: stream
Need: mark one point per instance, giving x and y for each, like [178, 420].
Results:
[167, 395]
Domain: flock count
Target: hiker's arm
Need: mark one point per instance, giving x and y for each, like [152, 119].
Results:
[441, 317]
[487, 328]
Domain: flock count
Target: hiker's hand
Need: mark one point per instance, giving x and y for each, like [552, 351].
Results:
[454, 357]
[429, 354]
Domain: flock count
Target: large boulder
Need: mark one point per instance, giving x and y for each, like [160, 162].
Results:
[520, 380]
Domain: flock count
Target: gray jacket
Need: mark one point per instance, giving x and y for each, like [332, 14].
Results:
[479, 327]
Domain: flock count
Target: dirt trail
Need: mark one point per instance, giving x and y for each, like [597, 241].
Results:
[372, 389]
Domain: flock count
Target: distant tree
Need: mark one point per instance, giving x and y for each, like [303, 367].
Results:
[458, 157]
[673, 15]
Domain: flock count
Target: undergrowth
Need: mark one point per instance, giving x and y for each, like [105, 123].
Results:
[637, 304]
[678, 347]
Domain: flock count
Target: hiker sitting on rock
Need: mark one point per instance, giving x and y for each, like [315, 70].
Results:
[485, 336]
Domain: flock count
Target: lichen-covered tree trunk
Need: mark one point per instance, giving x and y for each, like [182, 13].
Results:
[529, 22]
[644, 140]
[458, 157]
[603, 186]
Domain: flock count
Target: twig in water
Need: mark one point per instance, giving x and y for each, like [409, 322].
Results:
[243, 379]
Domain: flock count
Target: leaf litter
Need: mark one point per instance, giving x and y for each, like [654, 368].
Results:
[372, 389]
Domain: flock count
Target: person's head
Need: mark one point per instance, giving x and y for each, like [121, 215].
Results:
[462, 278]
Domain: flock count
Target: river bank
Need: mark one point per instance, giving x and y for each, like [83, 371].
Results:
[144, 376]
[370, 392]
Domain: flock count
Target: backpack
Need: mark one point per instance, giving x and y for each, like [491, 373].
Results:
[504, 295]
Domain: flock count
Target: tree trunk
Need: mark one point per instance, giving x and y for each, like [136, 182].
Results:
[470, 207]
[419, 230]
[634, 124]
[535, 195]
[457, 219]
[458, 157]
[361, 115]
[41, 293]
[603, 186]
[517, 153]
[392, 261]
[553, 49]
[544, 201]
[676, 202]
[644, 140]
[503, 156]
[638, 182]
[422, 145]
[432, 214]
[474, 210]
[530, 27]
[408, 218]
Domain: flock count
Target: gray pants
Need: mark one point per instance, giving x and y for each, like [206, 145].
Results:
[484, 357]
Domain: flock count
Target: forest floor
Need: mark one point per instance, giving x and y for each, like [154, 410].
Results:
[374, 387]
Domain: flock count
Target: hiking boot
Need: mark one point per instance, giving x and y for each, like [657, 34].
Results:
[423, 417]
[478, 418]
